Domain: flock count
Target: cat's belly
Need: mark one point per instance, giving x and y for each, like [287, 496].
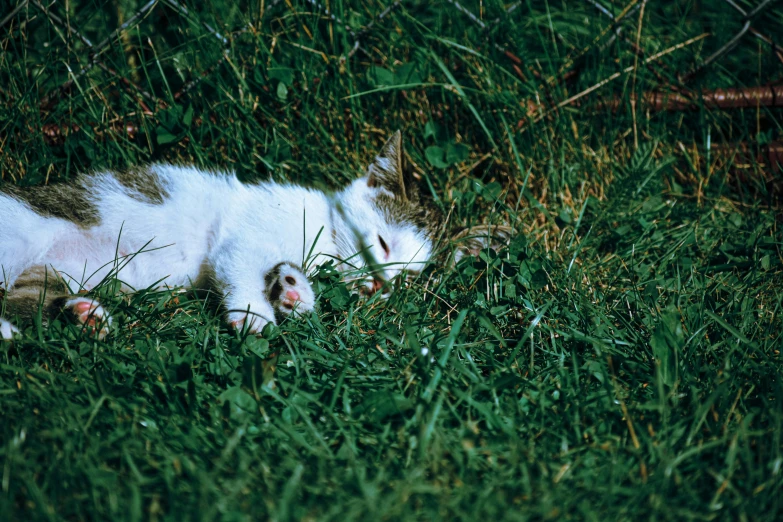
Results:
[86, 258]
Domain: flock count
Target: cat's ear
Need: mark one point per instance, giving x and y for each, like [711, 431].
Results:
[386, 170]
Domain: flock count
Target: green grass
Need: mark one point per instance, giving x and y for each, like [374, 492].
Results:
[620, 359]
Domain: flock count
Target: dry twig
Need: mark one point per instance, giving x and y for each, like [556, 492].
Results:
[731, 98]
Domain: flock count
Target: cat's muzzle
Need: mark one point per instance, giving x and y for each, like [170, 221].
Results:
[371, 287]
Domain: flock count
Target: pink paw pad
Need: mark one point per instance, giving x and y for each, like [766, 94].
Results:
[91, 314]
[296, 290]
[83, 307]
[292, 296]
[288, 290]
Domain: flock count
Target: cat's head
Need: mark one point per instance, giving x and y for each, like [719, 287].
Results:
[384, 223]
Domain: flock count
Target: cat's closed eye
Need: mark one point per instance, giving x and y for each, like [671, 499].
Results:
[384, 246]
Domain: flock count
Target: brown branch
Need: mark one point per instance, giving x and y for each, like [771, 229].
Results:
[731, 98]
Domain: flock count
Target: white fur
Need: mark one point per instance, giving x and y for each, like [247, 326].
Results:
[210, 225]
[7, 330]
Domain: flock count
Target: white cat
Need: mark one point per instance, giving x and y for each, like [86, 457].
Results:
[182, 226]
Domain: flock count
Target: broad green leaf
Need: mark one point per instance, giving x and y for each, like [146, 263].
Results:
[381, 404]
[457, 153]
[381, 76]
[283, 74]
[187, 118]
[240, 402]
[566, 215]
[258, 346]
[407, 73]
[431, 129]
[435, 156]
[282, 91]
[163, 135]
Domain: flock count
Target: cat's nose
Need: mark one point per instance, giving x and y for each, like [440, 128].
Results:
[293, 295]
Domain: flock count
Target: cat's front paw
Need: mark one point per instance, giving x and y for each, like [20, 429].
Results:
[89, 313]
[289, 290]
[252, 320]
[7, 330]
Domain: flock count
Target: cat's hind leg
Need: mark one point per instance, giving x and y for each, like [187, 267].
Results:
[33, 290]
[90, 313]
[40, 289]
[25, 237]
